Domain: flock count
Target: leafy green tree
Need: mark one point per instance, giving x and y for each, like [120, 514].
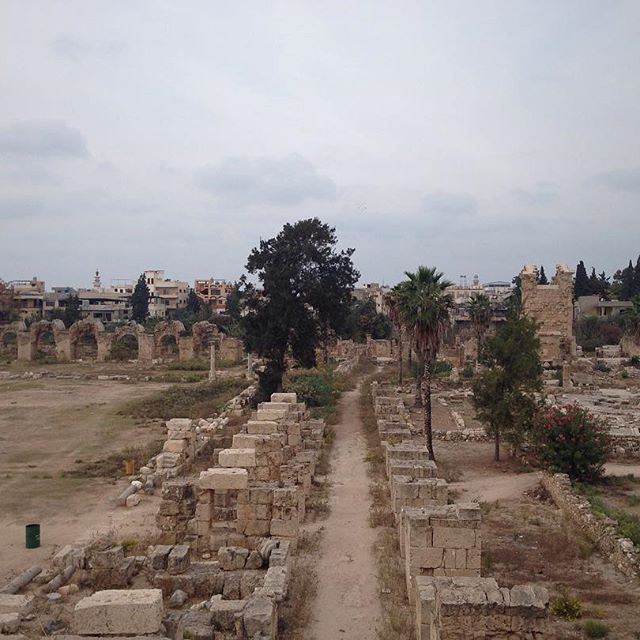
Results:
[542, 276]
[603, 285]
[424, 307]
[515, 299]
[363, 320]
[72, 310]
[480, 313]
[194, 305]
[396, 321]
[8, 307]
[503, 394]
[636, 278]
[140, 301]
[307, 287]
[581, 285]
[594, 283]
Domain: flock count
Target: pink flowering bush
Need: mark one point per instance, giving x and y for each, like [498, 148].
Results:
[571, 440]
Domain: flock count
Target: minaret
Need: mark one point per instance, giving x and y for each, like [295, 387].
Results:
[97, 285]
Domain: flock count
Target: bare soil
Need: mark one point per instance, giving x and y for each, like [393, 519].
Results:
[347, 605]
[49, 426]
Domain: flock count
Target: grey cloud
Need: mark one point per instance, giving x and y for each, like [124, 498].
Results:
[449, 204]
[76, 49]
[42, 139]
[19, 208]
[289, 180]
[620, 179]
[540, 194]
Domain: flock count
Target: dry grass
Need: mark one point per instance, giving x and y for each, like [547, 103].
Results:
[294, 614]
[397, 619]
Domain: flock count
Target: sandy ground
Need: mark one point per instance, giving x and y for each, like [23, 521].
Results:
[497, 487]
[347, 605]
[45, 427]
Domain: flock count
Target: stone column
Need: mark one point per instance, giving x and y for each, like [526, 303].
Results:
[249, 365]
[212, 362]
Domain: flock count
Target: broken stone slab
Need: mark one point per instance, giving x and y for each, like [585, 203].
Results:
[223, 479]
[291, 398]
[246, 441]
[133, 500]
[242, 458]
[178, 598]
[119, 612]
[179, 424]
[12, 603]
[224, 613]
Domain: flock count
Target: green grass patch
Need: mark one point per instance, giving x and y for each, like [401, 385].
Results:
[196, 401]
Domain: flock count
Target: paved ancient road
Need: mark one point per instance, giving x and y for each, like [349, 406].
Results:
[347, 605]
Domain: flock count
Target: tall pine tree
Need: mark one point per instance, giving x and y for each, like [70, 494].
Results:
[594, 283]
[581, 285]
[636, 279]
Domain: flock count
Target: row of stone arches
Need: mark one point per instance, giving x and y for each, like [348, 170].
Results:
[88, 340]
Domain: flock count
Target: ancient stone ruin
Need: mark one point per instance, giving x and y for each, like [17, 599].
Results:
[441, 543]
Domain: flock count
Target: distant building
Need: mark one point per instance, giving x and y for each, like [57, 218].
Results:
[594, 306]
[29, 297]
[213, 292]
[375, 292]
[165, 295]
[106, 306]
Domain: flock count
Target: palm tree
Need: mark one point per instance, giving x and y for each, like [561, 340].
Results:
[394, 315]
[632, 319]
[480, 313]
[424, 308]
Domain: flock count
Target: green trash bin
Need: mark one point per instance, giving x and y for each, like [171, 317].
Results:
[32, 535]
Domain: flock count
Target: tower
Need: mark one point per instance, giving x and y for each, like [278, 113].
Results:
[97, 285]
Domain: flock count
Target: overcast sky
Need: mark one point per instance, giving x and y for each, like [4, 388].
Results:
[475, 136]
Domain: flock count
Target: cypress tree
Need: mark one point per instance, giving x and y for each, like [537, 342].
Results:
[140, 301]
[636, 279]
[626, 288]
[581, 285]
[594, 283]
[542, 276]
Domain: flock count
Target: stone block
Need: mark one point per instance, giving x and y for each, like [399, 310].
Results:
[259, 618]
[175, 446]
[262, 427]
[224, 613]
[158, 556]
[179, 424]
[243, 458]
[10, 622]
[284, 528]
[179, 559]
[223, 479]
[10, 603]
[271, 414]
[119, 612]
[450, 538]
[284, 397]
[245, 441]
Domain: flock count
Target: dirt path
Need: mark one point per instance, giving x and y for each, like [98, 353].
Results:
[498, 487]
[347, 606]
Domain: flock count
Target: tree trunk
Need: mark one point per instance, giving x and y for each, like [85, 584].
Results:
[497, 446]
[418, 402]
[400, 380]
[426, 398]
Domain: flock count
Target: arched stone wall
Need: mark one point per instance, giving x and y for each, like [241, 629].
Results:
[93, 328]
[168, 332]
[29, 342]
[9, 339]
[202, 333]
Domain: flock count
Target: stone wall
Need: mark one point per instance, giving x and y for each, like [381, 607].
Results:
[440, 544]
[601, 530]
[551, 306]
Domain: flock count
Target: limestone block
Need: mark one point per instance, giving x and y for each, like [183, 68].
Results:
[224, 612]
[167, 460]
[284, 528]
[429, 558]
[158, 556]
[245, 441]
[262, 427]
[179, 424]
[284, 397]
[133, 500]
[450, 538]
[271, 415]
[244, 458]
[224, 479]
[10, 603]
[175, 446]
[114, 612]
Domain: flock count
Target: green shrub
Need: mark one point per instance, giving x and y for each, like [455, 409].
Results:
[571, 440]
[635, 362]
[468, 371]
[196, 364]
[595, 629]
[315, 388]
[624, 374]
[603, 367]
[442, 368]
[565, 606]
